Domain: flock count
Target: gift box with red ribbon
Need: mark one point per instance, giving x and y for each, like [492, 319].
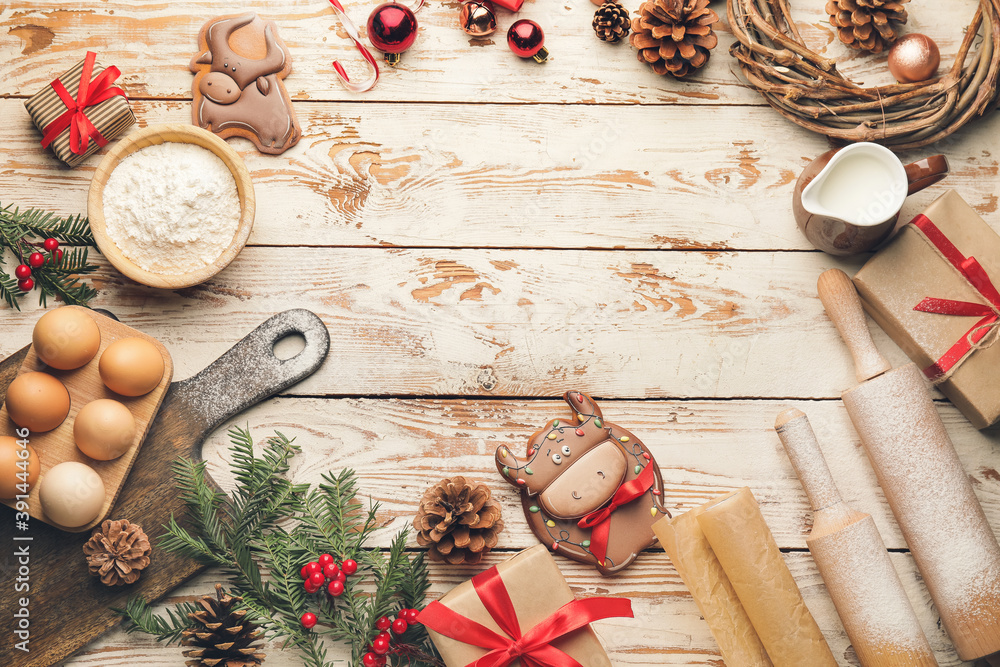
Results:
[81, 111]
[520, 612]
[934, 290]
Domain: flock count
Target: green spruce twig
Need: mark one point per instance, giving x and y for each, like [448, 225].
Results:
[263, 532]
[23, 233]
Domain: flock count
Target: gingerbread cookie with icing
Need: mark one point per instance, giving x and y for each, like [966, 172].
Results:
[590, 489]
[238, 88]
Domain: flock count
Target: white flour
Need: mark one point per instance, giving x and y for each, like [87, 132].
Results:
[171, 208]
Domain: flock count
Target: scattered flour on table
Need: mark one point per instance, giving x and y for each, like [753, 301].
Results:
[172, 208]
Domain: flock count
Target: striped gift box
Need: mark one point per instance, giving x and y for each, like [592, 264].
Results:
[111, 117]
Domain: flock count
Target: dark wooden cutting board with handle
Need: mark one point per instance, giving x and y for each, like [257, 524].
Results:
[68, 608]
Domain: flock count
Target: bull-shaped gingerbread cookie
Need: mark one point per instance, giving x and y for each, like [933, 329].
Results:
[590, 489]
[237, 85]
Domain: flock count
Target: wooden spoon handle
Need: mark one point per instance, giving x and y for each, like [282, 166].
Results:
[803, 450]
[842, 304]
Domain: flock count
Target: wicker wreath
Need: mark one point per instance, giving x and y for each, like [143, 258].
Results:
[807, 89]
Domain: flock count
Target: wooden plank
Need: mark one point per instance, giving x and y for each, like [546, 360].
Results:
[704, 448]
[667, 628]
[444, 65]
[500, 175]
[625, 324]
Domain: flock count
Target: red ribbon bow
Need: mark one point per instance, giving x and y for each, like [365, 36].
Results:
[532, 648]
[989, 312]
[600, 520]
[91, 93]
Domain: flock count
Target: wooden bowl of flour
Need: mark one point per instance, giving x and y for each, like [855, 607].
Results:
[163, 276]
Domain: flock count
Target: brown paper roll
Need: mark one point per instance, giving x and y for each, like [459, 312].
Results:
[748, 553]
[703, 575]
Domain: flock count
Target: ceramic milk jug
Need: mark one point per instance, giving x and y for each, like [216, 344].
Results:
[847, 201]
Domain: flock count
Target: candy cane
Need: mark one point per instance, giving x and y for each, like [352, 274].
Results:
[356, 86]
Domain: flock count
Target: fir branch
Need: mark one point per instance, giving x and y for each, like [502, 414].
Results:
[139, 617]
[23, 233]
[9, 290]
[270, 523]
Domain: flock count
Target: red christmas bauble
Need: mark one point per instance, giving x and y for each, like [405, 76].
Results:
[392, 28]
[526, 39]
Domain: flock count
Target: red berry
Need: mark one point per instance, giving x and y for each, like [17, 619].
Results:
[330, 570]
[25, 284]
[369, 659]
[22, 271]
[317, 579]
[383, 623]
[50, 244]
[309, 620]
[409, 615]
[336, 588]
[341, 577]
[36, 259]
[325, 559]
[310, 586]
[305, 572]
[54, 257]
[349, 567]
[399, 626]
[58, 256]
[381, 661]
[380, 646]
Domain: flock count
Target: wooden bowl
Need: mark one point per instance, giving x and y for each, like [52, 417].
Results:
[158, 134]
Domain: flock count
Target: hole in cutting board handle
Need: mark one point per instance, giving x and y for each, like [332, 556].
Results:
[288, 346]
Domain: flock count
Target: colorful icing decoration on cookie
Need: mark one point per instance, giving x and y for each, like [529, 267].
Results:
[589, 489]
[238, 88]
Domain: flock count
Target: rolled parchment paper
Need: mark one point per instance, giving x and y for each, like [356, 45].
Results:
[742, 542]
[703, 575]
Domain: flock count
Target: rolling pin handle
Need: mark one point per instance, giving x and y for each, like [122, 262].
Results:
[843, 305]
[803, 450]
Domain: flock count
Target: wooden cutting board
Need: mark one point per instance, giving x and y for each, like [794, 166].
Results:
[68, 608]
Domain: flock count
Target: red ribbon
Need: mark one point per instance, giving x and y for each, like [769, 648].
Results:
[534, 647]
[974, 273]
[81, 130]
[600, 520]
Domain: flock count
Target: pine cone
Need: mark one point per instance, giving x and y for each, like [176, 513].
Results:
[117, 552]
[867, 25]
[674, 36]
[611, 22]
[459, 520]
[221, 637]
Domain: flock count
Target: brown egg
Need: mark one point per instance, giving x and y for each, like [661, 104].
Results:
[104, 429]
[914, 58]
[72, 494]
[131, 366]
[16, 468]
[66, 338]
[37, 401]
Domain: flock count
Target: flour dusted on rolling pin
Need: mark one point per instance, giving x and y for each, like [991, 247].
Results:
[172, 208]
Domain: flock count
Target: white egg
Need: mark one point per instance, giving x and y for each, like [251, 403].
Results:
[72, 494]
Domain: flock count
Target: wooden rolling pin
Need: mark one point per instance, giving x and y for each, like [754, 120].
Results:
[852, 559]
[923, 480]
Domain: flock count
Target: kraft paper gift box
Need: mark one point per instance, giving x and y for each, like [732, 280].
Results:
[86, 126]
[945, 262]
[537, 590]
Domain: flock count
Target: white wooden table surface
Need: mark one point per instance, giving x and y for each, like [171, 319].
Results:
[481, 233]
